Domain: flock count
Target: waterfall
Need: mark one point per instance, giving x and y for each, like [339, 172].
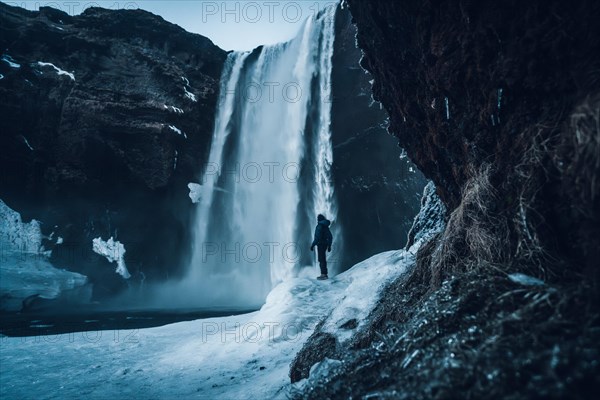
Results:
[269, 168]
[324, 201]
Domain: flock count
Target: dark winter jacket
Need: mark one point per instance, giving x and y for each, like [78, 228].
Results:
[323, 235]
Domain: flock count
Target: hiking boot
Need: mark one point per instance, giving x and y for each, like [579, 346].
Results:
[322, 277]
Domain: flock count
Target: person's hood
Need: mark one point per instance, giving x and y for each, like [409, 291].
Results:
[325, 222]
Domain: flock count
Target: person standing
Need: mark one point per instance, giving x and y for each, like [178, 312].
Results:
[323, 239]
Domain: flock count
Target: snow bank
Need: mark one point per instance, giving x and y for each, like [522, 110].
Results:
[24, 267]
[25, 275]
[10, 61]
[114, 251]
[174, 109]
[58, 70]
[190, 95]
[245, 356]
[177, 130]
[195, 192]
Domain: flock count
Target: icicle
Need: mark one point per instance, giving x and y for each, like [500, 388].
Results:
[27, 143]
[499, 98]
[499, 104]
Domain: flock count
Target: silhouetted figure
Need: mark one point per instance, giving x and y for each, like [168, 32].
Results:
[323, 240]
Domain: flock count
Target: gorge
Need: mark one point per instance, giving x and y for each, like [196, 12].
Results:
[132, 146]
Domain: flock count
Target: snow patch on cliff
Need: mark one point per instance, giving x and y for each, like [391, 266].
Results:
[58, 70]
[190, 95]
[114, 251]
[10, 61]
[174, 109]
[195, 190]
[177, 131]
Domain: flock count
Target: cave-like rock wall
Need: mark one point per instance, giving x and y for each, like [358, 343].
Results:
[497, 103]
[94, 155]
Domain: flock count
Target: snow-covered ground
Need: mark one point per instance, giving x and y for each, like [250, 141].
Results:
[245, 356]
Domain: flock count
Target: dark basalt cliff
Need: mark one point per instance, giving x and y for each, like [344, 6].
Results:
[93, 155]
[499, 104]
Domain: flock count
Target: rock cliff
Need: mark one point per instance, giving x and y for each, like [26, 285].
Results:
[106, 116]
[498, 104]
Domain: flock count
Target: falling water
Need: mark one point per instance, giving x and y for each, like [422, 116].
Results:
[269, 168]
[324, 201]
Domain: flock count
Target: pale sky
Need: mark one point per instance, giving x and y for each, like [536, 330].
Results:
[232, 25]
